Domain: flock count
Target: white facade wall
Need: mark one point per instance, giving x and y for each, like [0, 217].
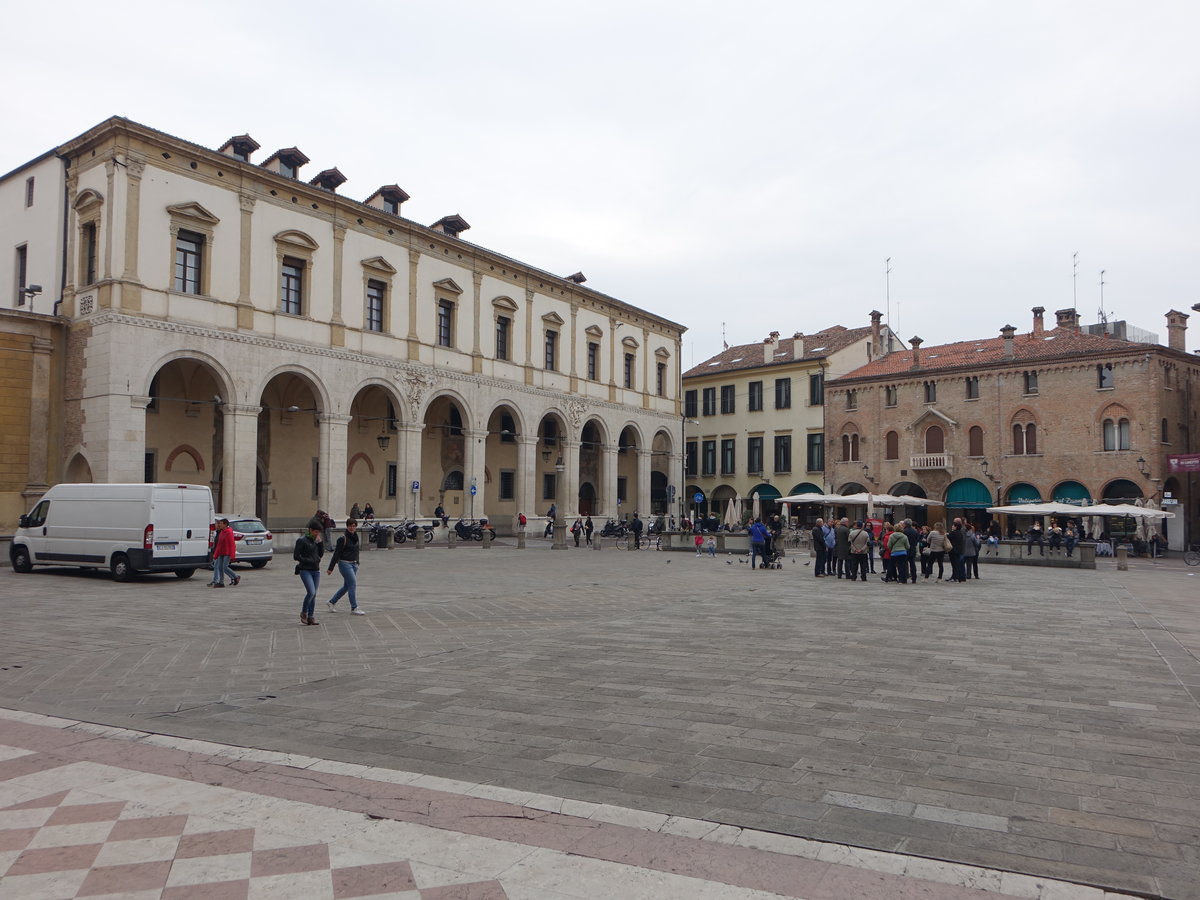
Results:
[37, 228]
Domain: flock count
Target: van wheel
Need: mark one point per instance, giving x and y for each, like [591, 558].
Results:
[20, 560]
[184, 573]
[258, 563]
[120, 568]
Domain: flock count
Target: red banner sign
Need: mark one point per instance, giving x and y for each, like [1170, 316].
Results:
[1183, 462]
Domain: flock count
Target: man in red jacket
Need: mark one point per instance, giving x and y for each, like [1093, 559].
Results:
[224, 553]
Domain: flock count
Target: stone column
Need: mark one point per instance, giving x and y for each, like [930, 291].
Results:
[526, 485]
[114, 432]
[473, 471]
[408, 467]
[608, 493]
[240, 463]
[331, 486]
[675, 477]
[569, 490]
[644, 458]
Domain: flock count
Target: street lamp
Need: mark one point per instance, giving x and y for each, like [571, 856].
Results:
[560, 525]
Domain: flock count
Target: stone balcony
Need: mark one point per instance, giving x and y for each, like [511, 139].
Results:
[933, 461]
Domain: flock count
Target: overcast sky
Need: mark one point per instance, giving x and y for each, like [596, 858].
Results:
[750, 164]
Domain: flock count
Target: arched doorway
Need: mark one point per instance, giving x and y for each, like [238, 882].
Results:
[442, 459]
[935, 439]
[551, 465]
[592, 440]
[185, 428]
[372, 450]
[1121, 490]
[79, 471]
[627, 473]
[1071, 492]
[660, 473]
[502, 464]
[289, 448]
[587, 499]
[969, 498]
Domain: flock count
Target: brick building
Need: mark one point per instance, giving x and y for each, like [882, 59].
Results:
[1052, 414]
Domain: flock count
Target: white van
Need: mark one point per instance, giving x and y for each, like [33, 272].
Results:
[128, 528]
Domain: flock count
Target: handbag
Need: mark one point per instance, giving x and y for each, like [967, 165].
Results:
[925, 551]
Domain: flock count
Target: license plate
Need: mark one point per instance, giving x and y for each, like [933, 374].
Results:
[166, 546]
[253, 540]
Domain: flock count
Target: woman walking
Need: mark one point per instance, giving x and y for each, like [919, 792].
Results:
[971, 553]
[307, 555]
[938, 545]
[224, 553]
[345, 557]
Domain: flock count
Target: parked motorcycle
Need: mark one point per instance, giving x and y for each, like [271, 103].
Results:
[614, 529]
[407, 531]
[468, 531]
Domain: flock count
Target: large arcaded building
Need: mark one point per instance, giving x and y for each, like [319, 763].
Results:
[210, 319]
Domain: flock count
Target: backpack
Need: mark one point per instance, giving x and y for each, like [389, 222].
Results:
[521, 520]
[830, 537]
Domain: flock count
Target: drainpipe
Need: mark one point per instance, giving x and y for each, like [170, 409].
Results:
[66, 231]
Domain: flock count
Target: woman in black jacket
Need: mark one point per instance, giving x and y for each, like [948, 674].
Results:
[307, 554]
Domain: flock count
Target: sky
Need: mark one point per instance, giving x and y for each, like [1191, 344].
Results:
[736, 168]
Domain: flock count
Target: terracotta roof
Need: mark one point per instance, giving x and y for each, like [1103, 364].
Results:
[1053, 343]
[750, 356]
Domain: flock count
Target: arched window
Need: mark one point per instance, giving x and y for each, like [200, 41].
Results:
[935, 439]
[1123, 434]
[845, 448]
[1018, 440]
[975, 441]
[1030, 438]
[1110, 435]
[892, 445]
[854, 448]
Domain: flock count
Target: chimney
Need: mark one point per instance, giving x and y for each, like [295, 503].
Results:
[916, 348]
[1067, 318]
[1007, 333]
[797, 346]
[1038, 325]
[876, 348]
[770, 344]
[1177, 329]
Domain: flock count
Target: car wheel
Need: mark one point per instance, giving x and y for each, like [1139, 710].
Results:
[258, 563]
[120, 568]
[21, 561]
[184, 573]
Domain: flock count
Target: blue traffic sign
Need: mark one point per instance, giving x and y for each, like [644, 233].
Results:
[474, 490]
[416, 487]
[698, 498]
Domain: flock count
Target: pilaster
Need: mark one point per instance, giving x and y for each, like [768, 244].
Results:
[608, 491]
[414, 340]
[642, 496]
[528, 337]
[569, 490]
[245, 306]
[476, 347]
[131, 289]
[37, 471]
[526, 475]
[337, 330]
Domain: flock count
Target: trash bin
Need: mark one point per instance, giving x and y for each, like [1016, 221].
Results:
[383, 538]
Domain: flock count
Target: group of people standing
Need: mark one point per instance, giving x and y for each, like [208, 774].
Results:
[848, 550]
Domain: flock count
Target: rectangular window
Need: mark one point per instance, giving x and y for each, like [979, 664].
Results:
[622, 489]
[754, 455]
[973, 387]
[88, 251]
[709, 461]
[188, 247]
[29, 192]
[149, 468]
[691, 462]
[689, 404]
[889, 395]
[1104, 376]
[376, 292]
[503, 327]
[660, 384]
[755, 401]
[931, 392]
[593, 361]
[22, 273]
[851, 399]
[445, 323]
[727, 398]
[710, 401]
[508, 429]
[728, 456]
[291, 286]
[1031, 383]
[391, 206]
[551, 350]
[508, 481]
[783, 393]
[816, 453]
[549, 487]
[816, 390]
[629, 382]
[783, 453]
[393, 471]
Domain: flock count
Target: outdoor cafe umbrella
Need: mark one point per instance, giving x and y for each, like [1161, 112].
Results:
[731, 514]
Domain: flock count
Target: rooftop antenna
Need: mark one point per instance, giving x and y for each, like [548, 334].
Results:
[1074, 278]
[1103, 314]
[887, 287]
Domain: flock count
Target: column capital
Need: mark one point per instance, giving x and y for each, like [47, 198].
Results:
[231, 410]
[334, 419]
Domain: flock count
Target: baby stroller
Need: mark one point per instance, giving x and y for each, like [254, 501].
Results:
[772, 557]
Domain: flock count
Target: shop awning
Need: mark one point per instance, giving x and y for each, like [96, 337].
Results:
[1071, 492]
[1024, 493]
[765, 492]
[967, 493]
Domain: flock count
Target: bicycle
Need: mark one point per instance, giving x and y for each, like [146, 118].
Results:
[1191, 556]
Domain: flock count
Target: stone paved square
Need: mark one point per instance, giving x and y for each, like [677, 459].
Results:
[1040, 721]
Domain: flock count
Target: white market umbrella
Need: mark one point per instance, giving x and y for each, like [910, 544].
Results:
[756, 508]
[731, 514]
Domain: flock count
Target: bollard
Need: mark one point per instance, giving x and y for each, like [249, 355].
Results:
[487, 538]
[419, 540]
[452, 538]
[520, 540]
[1122, 559]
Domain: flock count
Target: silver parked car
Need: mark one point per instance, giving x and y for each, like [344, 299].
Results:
[254, 541]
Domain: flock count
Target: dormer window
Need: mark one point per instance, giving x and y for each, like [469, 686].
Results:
[239, 147]
[330, 179]
[388, 198]
[451, 225]
[286, 162]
